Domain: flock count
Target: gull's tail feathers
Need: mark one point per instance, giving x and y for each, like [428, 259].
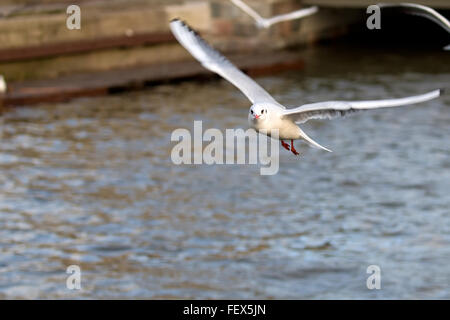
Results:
[311, 142]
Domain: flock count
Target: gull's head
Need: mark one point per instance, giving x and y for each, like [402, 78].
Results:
[257, 112]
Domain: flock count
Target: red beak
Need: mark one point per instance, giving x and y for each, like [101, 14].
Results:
[256, 116]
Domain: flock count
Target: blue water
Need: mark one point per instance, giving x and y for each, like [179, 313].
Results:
[91, 183]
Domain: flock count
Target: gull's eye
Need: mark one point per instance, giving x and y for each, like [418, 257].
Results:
[251, 111]
[262, 111]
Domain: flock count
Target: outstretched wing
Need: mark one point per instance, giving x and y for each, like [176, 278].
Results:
[214, 61]
[266, 23]
[420, 10]
[298, 14]
[332, 109]
[260, 21]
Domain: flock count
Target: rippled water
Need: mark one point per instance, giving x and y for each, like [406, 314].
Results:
[91, 183]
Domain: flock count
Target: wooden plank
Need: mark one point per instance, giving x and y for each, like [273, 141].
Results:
[80, 46]
[100, 83]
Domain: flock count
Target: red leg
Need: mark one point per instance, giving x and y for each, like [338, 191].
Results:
[285, 145]
[293, 149]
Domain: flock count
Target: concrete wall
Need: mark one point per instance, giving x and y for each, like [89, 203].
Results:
[35, 43]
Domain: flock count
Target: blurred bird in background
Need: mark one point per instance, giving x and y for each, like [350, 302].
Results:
[266, 23]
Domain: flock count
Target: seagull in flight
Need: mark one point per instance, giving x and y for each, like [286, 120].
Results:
[422, 11]
[266, 23]
[266, 114]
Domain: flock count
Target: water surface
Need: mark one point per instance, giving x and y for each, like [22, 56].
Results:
[90, 182]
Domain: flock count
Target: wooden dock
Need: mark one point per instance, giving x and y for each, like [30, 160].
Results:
[117, 80]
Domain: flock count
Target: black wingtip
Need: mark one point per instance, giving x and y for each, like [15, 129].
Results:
[188, 27]
[442, 91]
[183, 23]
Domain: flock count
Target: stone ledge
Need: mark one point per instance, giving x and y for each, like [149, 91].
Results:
[100, 83]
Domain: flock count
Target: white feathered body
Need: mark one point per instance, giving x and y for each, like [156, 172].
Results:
[287, 129]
